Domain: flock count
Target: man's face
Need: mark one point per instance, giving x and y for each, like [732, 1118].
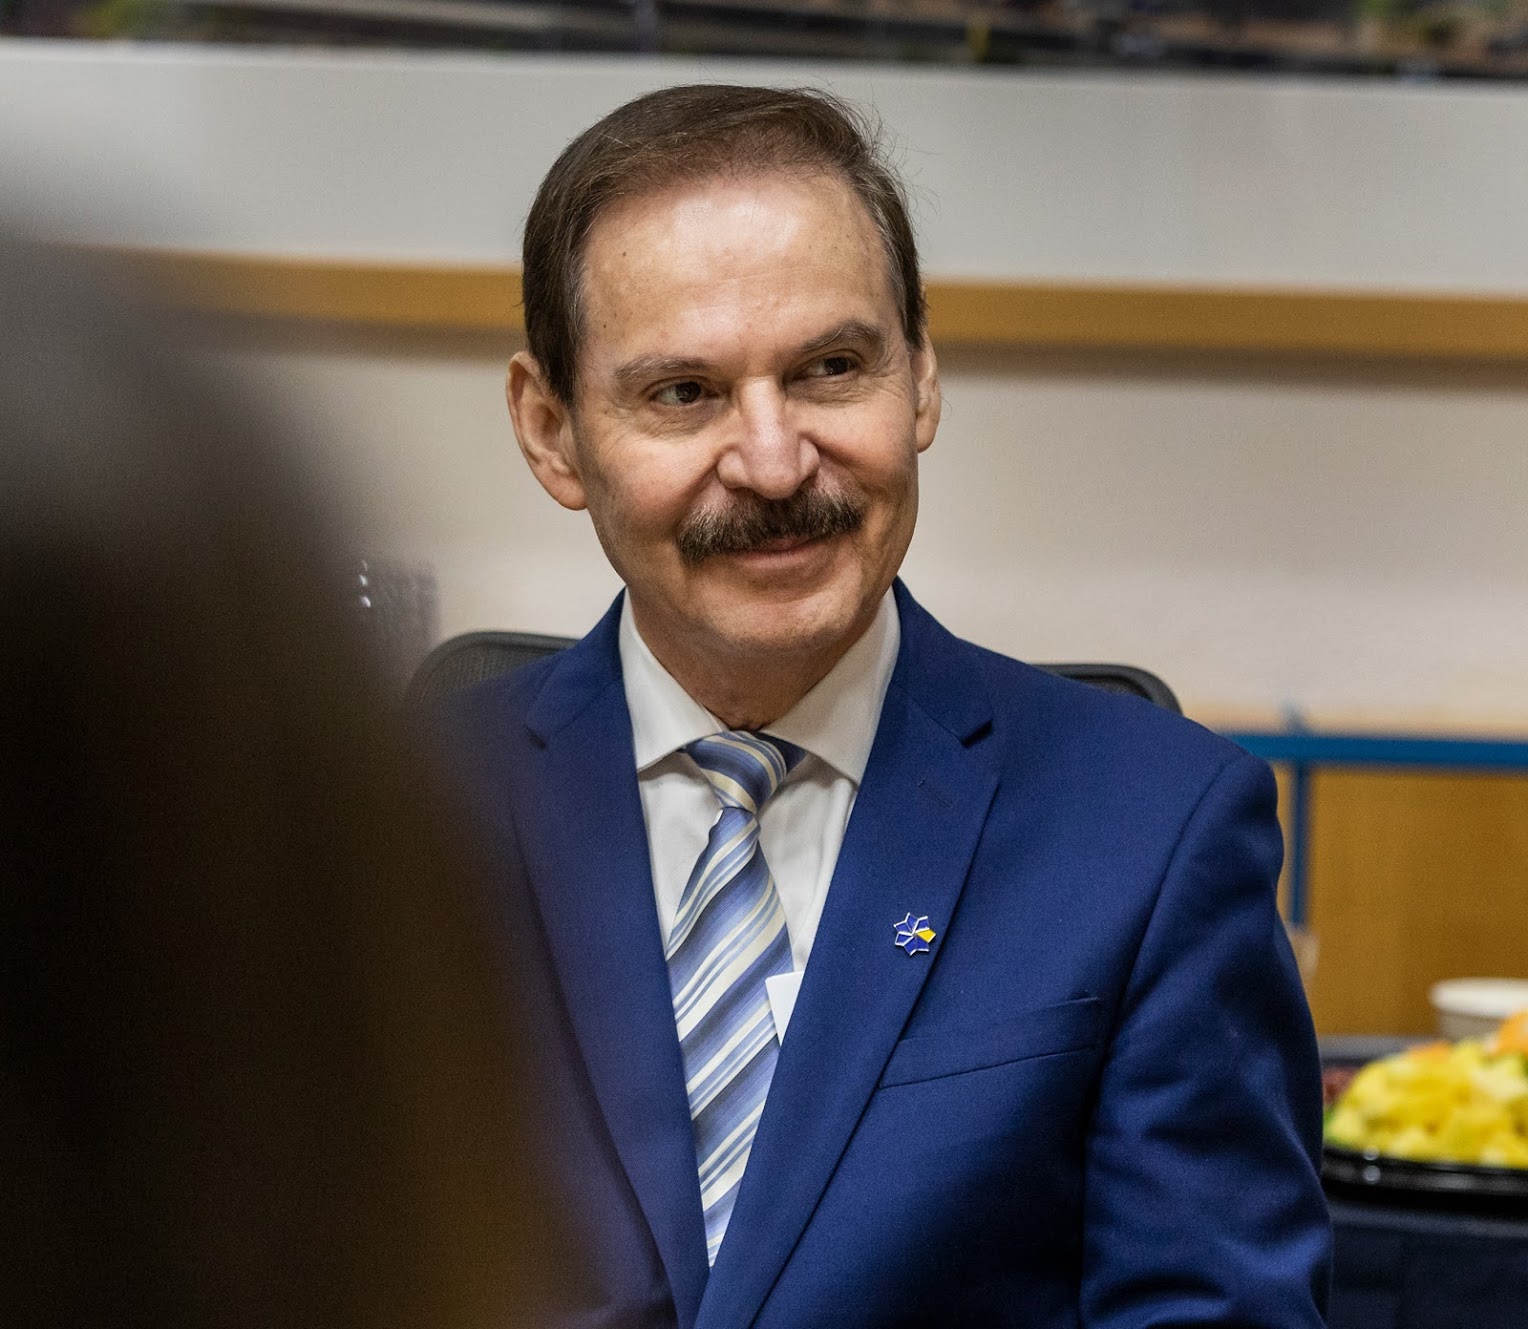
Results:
[748, 418]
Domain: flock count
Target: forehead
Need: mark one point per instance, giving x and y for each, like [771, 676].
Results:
[731, 267]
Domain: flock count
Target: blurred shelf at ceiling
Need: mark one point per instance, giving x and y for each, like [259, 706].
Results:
[1413, 39]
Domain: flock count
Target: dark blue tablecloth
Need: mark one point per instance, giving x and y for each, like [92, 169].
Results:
[1413, 1269]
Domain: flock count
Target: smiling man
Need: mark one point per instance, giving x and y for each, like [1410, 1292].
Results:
[884, 980]
[743, 427]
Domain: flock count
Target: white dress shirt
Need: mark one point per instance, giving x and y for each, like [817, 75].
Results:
[802, 827]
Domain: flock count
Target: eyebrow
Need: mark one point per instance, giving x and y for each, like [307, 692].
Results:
[855, 332]
[648, 368]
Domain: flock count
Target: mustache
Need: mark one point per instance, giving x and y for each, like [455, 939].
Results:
[750, 522]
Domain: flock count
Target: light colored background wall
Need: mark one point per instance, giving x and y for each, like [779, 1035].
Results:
[1346, 539]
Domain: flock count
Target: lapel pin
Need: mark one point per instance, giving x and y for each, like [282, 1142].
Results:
[914, 934]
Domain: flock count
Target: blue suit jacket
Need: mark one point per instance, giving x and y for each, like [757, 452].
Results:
[1094, 1101]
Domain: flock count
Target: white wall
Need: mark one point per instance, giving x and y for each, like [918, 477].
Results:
[1351, 542]
[1071, 176]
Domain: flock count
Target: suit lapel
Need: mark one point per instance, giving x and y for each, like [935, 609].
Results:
[580, 819]
[909, 843]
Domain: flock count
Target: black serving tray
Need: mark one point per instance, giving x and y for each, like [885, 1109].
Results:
[1457, 1187]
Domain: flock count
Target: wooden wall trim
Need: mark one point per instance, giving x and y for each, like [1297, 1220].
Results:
[372, 294]
[1233, 321]
[1018, 314]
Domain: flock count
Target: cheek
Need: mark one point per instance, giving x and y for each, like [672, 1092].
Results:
[878, 448]
[893, 490]
[655, 497]
[890, 475]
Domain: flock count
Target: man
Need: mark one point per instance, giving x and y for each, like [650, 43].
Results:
[883, 980]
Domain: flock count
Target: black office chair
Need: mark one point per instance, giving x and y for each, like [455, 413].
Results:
[474, 656]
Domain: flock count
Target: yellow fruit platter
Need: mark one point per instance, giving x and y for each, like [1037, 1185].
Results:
[1442, 1121]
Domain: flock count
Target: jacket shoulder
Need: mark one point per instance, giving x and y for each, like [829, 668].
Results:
[480, 733]
[505, 697]
[1080, 725]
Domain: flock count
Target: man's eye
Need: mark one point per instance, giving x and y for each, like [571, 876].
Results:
[679, 394]
[831, 366]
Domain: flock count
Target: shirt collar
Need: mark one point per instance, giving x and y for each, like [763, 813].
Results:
[835, 721]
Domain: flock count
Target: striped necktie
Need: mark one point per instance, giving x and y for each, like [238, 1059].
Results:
[728, 937]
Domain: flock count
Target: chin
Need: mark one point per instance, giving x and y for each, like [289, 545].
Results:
[788, 627]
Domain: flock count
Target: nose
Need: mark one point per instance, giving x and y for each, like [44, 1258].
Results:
[765, 451]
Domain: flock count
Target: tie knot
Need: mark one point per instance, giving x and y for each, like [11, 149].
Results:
[744, 768]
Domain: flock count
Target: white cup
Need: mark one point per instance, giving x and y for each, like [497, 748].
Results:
[1472, 1007]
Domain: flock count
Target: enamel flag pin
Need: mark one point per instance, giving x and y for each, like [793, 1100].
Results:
[914, 934]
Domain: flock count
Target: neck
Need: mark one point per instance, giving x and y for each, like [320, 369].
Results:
[746, 698]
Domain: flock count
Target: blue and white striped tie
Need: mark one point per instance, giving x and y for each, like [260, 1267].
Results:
[728, 937]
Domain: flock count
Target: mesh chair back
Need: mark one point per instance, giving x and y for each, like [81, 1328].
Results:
[470, 658]
[1129, 679]
[459, 662]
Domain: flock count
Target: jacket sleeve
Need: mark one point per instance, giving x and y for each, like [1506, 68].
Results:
[1202, 1193]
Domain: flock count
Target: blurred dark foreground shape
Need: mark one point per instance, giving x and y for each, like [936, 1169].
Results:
[256, 1064]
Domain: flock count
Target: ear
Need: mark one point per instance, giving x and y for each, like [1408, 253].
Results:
[929, 402]
[544, 428]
